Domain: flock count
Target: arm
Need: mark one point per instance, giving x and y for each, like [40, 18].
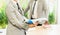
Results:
[45, 8]
[13, 18]
[26, 10]
[28, 7]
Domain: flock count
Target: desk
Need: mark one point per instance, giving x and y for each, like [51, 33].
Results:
[54, 30]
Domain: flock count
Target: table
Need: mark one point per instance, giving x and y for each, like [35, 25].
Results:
[39, 30]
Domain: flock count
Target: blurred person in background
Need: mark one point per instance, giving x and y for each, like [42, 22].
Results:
[37, 9]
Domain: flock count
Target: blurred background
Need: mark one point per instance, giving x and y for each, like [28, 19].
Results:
[52, 16]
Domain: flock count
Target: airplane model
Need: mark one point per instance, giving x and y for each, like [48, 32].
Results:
[31, 21]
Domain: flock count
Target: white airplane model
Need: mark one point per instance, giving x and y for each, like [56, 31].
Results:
[35, 20]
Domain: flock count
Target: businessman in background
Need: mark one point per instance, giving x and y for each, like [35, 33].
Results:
[37, 9]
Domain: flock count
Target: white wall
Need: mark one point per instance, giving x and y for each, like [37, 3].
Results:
[58, 12]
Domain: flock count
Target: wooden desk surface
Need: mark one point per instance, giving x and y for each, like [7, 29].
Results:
[54, 30]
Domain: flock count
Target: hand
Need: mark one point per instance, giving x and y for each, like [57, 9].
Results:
[33, 25]
[46, 25]
[36, 23]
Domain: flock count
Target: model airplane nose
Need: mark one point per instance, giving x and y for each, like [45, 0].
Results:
[29, 22]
